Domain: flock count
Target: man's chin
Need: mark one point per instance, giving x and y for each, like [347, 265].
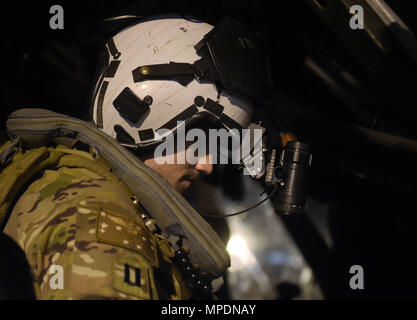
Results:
[183, 185]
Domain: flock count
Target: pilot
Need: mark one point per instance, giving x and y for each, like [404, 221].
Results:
[89, 227]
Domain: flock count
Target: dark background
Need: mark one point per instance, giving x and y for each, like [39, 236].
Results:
[366, 179]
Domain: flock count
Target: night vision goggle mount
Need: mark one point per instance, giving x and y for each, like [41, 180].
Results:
[285, 173]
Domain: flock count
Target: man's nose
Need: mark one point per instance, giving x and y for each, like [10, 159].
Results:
[204, 165]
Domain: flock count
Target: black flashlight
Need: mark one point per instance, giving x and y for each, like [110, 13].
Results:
[292, 174]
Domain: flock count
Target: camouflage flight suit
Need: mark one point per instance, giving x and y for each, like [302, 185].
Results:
[85, 223]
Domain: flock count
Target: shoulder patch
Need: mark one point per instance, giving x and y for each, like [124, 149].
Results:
[125, 232]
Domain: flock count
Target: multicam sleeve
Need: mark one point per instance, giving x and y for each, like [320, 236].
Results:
[83, 239]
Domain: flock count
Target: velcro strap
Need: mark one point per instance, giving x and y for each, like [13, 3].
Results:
[183, 116]
[181, 72]
[112, 48]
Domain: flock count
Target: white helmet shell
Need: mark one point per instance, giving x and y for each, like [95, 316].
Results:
[158, 41]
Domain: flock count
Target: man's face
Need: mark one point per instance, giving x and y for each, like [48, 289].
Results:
[180, 176]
